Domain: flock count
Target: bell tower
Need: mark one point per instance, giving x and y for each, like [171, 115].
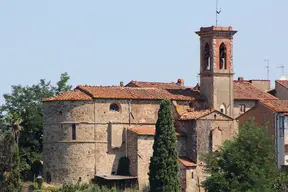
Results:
[216, 67]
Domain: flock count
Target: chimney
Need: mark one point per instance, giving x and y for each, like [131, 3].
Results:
[180, 82]
[121, 84]
[240, 78]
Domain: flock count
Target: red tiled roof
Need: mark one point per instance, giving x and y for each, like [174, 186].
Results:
[246, 91]
[160, 85]
[145, 131]
[195, 114]
[118, 92]
[75, 95]
[187, 162]
[284, 83]
[277, 105]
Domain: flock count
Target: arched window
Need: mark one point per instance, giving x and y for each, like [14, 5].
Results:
[222, 56]
[114, 107]
[223, 108]
[207, 57]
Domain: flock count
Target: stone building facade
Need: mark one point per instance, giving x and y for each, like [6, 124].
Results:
[87, 130]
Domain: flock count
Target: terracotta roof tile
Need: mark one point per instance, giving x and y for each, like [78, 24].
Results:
[75, 95]
[160, 85]
[118, 92]
[284, 83]
[246, 91]
[195, 114]
[187, 162]
[277, 105]
[145, 131]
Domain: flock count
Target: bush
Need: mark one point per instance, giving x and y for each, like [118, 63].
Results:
[88, 188]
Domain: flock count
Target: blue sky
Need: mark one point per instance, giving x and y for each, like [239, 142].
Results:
[108, 41]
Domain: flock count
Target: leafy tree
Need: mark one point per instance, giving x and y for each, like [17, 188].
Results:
[22, 112]
[9, 164]
[164, 170]
[246, 163]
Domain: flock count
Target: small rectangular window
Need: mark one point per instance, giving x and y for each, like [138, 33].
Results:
[73, 131]
[242, 108]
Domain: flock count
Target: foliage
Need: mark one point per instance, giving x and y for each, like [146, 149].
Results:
[246, 163]
[88, 188]
[9, 164]
[123, 167]
[164, 170]
[24, 105]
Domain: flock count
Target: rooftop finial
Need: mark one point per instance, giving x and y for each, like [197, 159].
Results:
[218, 11]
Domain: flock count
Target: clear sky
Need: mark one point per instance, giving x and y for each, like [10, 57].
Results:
[103, 42]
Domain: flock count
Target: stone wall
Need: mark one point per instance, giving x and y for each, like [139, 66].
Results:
[99, 131]
[281, 91]
[262, 115]
[211, 133]
[261, 84]
[132, 142]
[248, 105]
[140, 151]
[67, 162]
[189, 129]
[191, 180]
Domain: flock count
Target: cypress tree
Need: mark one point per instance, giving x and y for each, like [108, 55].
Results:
[164, 170]
[9, 161]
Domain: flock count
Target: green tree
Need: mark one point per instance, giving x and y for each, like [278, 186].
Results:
[164, 170]
[245, 163]
[22, 112]
[9, 164]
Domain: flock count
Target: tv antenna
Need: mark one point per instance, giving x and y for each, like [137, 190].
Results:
[218, 11]
[282, 67]
[267, 66]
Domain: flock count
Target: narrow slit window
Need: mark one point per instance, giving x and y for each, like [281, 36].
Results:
[73, 131]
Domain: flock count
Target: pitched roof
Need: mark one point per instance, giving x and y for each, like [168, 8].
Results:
[196, 114]
[187, 162]
[277, 105]
[118, 92]
[246, 91]
[284, 83]
[145, 131]
[160, 85]
[75, 95]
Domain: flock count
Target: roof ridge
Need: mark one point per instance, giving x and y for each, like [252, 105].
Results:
[154, 82]
[115, 86]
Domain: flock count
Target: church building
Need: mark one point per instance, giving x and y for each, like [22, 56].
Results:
[87, 130]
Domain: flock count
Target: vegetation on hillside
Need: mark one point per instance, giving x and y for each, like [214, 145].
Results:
[164, 170]
[246, 163]
[22, 113]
